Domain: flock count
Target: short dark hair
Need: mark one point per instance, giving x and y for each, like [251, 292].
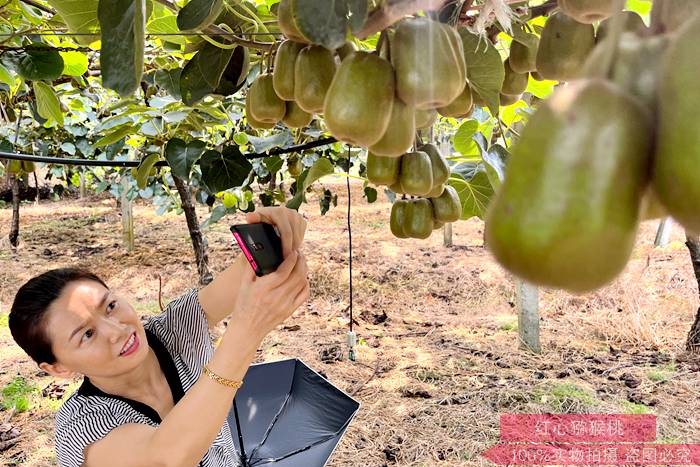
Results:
[32, 300]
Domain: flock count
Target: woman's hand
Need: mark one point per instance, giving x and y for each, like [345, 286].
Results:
[291, 225]
[264, 302]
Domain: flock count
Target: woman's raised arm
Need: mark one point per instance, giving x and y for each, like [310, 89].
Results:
[189, 429]
[218, 297]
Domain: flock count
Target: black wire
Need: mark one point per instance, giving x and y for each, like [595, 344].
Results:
[154, 34]
[349, 238]
[97, 163]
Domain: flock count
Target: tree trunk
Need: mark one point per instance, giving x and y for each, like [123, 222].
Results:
[199, 243]
[36, 184]
[693, 244]
[14, 228]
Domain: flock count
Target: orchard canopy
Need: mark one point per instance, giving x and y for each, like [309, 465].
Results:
[562, 124]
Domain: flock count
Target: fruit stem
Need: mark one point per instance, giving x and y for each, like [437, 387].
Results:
[616, 30]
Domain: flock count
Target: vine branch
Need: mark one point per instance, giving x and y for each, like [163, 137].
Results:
[394, 10]
[39, 6]
[216, 30]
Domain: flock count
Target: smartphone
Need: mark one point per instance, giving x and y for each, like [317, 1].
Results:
[261, 245]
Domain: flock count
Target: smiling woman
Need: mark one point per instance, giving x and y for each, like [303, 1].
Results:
[155, 393]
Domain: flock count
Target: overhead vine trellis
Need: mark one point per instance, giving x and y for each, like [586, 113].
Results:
[178, 68]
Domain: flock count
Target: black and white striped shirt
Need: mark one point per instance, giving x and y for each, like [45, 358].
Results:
[180, 338]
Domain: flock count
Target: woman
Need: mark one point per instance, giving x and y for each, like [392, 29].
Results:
[158, 393]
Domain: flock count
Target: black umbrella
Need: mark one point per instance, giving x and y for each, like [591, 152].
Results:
[286, 414]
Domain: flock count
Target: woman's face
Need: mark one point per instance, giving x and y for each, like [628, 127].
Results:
[94, 332]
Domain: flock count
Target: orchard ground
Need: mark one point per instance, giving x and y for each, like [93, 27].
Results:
[438, 361]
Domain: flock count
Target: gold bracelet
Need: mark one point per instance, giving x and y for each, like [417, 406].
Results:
[226, 382]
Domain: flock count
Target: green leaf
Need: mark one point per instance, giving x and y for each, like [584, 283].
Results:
[236, 72]
[223, 171]
[144, 169]
[198, 14]
[370, 194]
[495, 161]
[513, 113]
[321, 168]
[643, 7]
[326, 22]
[121, 57]
[474, 194]
[80, 16]
[273, 163]
[170, 81]
[40, 64]
[164, 21]
[541, 89]
[35, 113]
[203, 72]
[485, 70]
[47, 103]
[74, 63]
[6, 77]
[115, 135]
[463, 142]
[240, 139]
[181, 156]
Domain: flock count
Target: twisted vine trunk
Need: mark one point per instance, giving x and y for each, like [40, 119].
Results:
[693, 244]
[199, 243]
[14, 227]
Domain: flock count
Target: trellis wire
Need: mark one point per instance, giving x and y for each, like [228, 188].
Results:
[98, 163]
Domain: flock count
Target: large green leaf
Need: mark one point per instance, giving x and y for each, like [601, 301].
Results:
[121, 58]
[47, 103]
[474, 194]
[495, 160]
[80, 16]
[74, 63]
[463, 142]
[115, 135]
[170, 81]
[45, 63]
[198, 14]
[202, 74]
[181, 156]
[485, 70]
[223, 171]
[321, 168]
[541, 89]
[235, 74]
[326, 22]
[164, 21]
[6, 77]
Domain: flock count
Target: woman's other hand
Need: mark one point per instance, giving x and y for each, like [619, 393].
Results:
[291, 225]
[264, 302]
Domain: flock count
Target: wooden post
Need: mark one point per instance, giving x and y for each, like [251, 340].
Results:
[82, 184]
[663, 232]
[447, 234]
[528, 316]
[127, 216]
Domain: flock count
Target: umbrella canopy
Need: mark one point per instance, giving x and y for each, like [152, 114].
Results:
[289, 415]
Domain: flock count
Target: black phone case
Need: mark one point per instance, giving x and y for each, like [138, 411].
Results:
[261, 246]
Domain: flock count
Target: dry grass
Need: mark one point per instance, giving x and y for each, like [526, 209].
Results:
[439, 359]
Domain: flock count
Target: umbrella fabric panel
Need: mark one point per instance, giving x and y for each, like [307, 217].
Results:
[315, 456]
[290, 415]
[264, 391]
